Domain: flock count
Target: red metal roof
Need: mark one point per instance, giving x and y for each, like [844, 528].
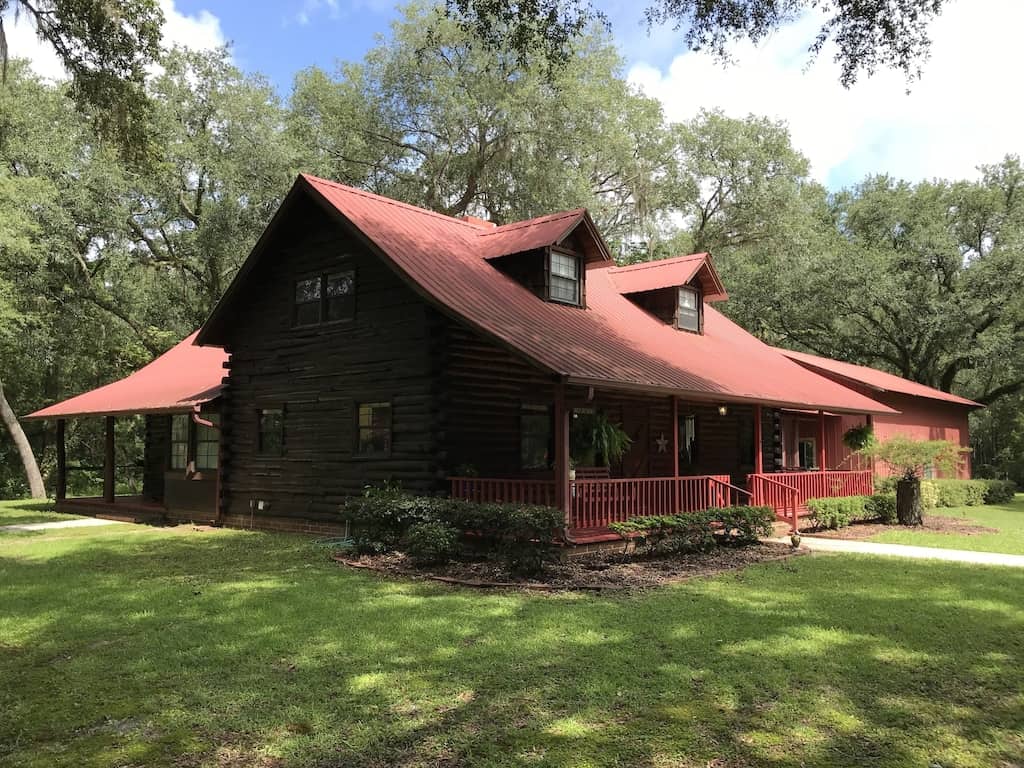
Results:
[873, 378]
[611, 343]
[670, 273]
[182, 377]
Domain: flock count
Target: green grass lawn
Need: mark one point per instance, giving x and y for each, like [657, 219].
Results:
[143, 646]
[1008, 519]
[22, 512]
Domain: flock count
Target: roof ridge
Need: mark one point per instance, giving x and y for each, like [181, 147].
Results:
[660, 262]
[535, 220]
[389, 201]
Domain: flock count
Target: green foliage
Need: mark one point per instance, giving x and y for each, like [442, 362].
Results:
[859, 438]
[106, 48]
[881, 507]
[838, 512]
[697, 531]
[999, 491]
[429, 543]
[909, 458]
[383, 518]
[594, 437]
[929, 495]
[960, 493]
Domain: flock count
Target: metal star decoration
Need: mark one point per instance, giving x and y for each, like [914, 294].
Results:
[662, 443]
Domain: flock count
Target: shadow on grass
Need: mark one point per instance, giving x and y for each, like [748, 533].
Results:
[189, 648]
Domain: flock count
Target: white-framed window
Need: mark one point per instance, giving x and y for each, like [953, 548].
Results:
[688, 315]
[564, 278]
[207, 442]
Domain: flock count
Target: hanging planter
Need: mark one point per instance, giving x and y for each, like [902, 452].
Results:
[859, 438]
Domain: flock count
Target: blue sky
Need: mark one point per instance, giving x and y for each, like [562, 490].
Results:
[964, 111]
[301, 33]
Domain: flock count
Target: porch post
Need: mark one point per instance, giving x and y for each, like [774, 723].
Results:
[108, 462]
[821, 441]
[563, 493]
[675, 454]
[61, 491]
[758, 440]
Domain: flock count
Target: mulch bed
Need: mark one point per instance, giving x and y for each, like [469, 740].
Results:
[932, 524]
[596, 572]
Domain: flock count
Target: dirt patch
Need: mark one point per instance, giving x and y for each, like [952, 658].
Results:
[597, 572]
[960, 526]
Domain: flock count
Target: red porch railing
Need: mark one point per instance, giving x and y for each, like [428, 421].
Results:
[485, 489]
[779, 489]
[597, 502]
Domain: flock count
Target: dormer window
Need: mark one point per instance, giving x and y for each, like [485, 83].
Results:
[689, 310]
[564, 277]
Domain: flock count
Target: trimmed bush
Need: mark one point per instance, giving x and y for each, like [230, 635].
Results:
[960, 493]
[882, 507]
[385, 518]
[999, 491]
[697, 531]
[838, 512]
[429, 543]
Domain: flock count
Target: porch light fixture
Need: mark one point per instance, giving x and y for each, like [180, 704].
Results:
[723, 410]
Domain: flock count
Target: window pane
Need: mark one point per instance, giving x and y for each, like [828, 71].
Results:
[564, 289]
[687, 298]
[179, 455]
[307, 314]
[341, 296]
[688, 439]
[535, 446]
[179, 427]
[206, 456]
[374, 429]
[271, 431]
[307, 290]
[564, 265]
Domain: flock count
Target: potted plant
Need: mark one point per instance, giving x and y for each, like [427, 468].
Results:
[596, 438]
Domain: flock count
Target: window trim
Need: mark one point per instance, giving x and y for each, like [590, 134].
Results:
[260, 452]
[324, 276]
[386, 454]
[580, 277]
[698, 296]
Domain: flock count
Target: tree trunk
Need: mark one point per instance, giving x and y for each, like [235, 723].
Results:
[28, 459]
[909, 508]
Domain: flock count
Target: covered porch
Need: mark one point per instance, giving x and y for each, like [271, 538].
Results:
[739, 450]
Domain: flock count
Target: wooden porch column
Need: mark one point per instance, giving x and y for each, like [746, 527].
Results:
[61, 490]
[108, 462]
[675, 454]
[821, 441]
[563, 492]
[758, 440]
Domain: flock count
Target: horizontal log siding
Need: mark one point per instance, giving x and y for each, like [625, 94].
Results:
[156, 455]
[319, 375]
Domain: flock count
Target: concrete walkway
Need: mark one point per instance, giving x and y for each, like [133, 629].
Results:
[85, 522]
[906, 550]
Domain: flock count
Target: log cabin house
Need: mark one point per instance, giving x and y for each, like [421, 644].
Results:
[366, 341]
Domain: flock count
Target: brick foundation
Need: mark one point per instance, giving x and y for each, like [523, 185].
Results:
[284, 525]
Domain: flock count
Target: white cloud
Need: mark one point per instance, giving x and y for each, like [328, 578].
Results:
[964, 111]
[201, 31]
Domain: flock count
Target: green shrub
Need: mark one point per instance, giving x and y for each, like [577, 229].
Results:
[929, 495]
[523, 535]
[744, 525]
[697, 531]
[885, 484]
[429, 543]
[960, 493]
[999, 491]
[838, 512]
[882, 507]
